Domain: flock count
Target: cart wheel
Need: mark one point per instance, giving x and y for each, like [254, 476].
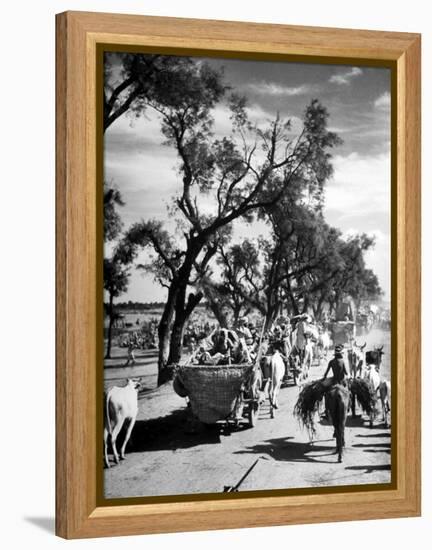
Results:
[253, 414]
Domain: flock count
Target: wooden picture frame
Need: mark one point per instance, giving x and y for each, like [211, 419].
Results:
[78, 316]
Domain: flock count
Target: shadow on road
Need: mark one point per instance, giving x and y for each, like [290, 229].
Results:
[356, 421]
[360, 422]
[121, 363]
[385, 434]
[291, 451]
[381, 445]
[169, 432]
[351, 422]
[370, 468]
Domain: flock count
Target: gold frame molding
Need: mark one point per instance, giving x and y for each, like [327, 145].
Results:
[79, 36]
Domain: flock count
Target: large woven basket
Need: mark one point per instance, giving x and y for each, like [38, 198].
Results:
[212, 390]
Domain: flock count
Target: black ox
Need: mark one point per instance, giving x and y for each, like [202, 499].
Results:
[374, 357]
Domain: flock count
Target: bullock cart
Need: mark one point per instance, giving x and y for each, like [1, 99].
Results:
[216, 393]
[343, 332]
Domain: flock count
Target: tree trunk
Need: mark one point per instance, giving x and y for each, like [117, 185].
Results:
[176, 343]
[319, 309]
[291, 298]
[272, 311]
[267, 323]
[164, 329]
[236, 315]
[183, 311]
[110, 325]
[221, 317]
[178, 326]
[170, 346]
[218, 312]
[270, 302]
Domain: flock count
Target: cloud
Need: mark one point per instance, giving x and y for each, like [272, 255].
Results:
[358, 201]
[273, 89]
[361, 184]
[346, 77]
[383, 101]
[222, 122]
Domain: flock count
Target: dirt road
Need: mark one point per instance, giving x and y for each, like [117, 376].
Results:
[163, 459]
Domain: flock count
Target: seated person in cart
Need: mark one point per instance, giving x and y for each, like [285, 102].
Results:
[219, 353]
[243, 331]
[245, 338]
[226, 348]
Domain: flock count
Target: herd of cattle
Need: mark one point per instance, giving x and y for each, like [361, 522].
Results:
[121, 403]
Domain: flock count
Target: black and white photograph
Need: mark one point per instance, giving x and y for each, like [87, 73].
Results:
[247, 275]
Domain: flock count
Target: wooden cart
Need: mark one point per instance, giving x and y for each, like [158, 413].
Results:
[216, 393]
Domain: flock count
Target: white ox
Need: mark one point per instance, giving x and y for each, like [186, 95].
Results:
[381, 389]
[121, 406]
[273, 369]
[309, 351]
[324, 343]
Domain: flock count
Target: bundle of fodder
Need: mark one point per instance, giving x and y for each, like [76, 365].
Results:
[363, 390]
[213, 389]
[178, 385]
[308, 403]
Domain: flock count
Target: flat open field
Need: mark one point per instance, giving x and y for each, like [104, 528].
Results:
[164, 459]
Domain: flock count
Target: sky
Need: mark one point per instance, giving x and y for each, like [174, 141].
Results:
[357, 198]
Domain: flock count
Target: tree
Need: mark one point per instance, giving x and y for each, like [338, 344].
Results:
[313, 286]
[340, 271]
[217, 300]
[233, 295]
[356, 279]
[304, 264]
[116, 280]
[294, 246]
[370, 289]
[131, 80]
[112, 220]
[116, 273]
[250, 169]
